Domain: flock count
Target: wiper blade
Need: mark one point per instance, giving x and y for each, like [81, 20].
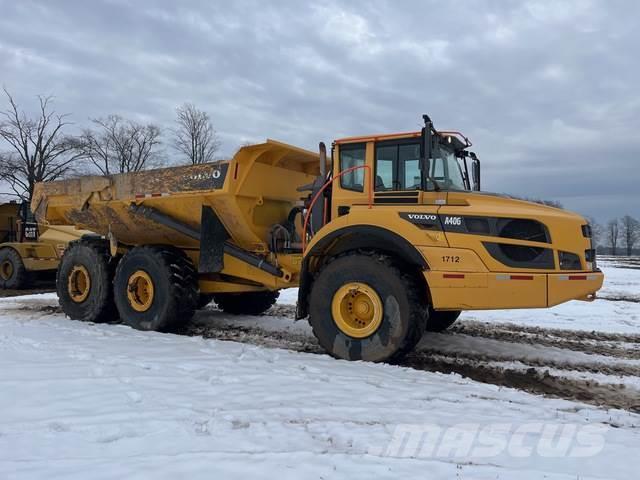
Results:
[425, 171]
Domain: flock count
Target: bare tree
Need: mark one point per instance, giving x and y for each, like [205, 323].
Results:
[116, 145]
[194, 136]
[550, 203]
[630, 232]
[612, 235]
[38, 150]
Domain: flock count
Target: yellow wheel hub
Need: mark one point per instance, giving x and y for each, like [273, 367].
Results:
[6, 270]
[140, 291]
[79, 283]
[357, 310]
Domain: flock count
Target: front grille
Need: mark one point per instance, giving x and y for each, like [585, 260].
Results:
[523, 229]
[521, 256]
[590, 255]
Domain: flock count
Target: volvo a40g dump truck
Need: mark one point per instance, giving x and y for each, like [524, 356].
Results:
[386, 237]
[29, 251]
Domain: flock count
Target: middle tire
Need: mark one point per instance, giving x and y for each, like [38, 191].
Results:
[363, 307]
[155, 288]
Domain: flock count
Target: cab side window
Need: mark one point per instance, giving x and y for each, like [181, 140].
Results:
[352, 156]
[398, 166]
[409, 160]
[386, 163]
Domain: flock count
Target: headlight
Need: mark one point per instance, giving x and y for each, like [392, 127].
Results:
[569, 261]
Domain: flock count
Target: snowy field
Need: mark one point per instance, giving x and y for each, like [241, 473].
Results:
[520, 394]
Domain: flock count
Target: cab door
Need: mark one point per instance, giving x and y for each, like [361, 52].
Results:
[352, 174]
[400, 196]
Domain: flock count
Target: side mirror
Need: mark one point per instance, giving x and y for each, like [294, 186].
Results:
[475, 172]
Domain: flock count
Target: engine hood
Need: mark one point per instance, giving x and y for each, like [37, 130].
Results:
[497, 203]
[479, 219]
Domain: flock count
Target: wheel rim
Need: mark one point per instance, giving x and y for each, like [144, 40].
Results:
[357, 310]
[140, 291]
[6, 270]
[79, 283]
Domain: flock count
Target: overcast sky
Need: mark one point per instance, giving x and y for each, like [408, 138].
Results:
[549, 92]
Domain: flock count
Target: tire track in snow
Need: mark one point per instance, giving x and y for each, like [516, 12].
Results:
[621, 298]
[532, 380]
[580, 365]
[614, 345]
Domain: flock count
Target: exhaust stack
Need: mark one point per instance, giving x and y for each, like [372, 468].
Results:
[323, 160]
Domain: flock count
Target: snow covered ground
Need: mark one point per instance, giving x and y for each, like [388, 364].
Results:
[105, 401]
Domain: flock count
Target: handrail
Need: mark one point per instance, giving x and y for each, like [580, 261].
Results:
[317, 195]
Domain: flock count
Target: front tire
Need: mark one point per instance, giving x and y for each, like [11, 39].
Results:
[83, 282]
[246, 303]
[13, 274]
[363, 307]
[155, 288]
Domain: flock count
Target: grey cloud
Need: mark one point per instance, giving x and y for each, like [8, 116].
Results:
[546, 90]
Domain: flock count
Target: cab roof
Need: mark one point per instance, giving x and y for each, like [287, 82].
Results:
[377, 137]
[464, 141]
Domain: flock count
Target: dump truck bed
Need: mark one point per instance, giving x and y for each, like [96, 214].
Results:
[249, 193]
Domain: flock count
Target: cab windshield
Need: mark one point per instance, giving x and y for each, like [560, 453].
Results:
[446, 170]
[398, 167]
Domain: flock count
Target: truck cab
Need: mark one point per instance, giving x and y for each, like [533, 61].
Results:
[415, 199]
[405, 168]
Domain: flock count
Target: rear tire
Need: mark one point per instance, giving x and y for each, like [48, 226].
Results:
[439, 321]
[155, 288]
[13, 274]
[246, 303]
[396, 298]
[84, 282]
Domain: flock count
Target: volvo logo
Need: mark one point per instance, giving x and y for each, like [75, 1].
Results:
[421, 216]
[425, 221]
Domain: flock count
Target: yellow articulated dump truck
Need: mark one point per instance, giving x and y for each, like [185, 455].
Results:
[387, 237]
[29, 250]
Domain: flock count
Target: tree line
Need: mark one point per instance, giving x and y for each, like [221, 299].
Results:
[39, 149]
[620, 236]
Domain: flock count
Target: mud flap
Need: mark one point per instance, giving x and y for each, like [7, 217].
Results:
[213, 236]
